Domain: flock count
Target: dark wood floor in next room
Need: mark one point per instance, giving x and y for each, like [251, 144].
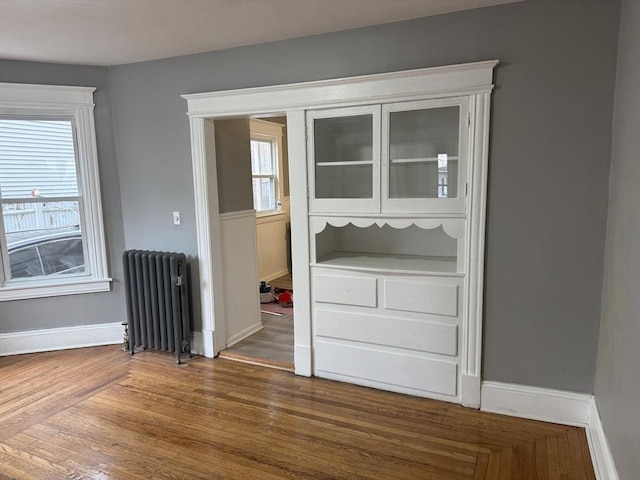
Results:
[99, 413]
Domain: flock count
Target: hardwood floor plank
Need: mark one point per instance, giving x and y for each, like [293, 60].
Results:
[586, 454]
[326, 448]
[99, 413]
[575, 456]
[542, 460]
[25, 465]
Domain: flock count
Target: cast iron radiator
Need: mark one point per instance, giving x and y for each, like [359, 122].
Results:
[157, 294]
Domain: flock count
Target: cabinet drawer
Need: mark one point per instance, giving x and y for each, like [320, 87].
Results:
[388, 331]
[421, 297]
[346, 290]
[385, 369]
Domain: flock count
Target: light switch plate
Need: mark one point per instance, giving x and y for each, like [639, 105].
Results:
[176, 218]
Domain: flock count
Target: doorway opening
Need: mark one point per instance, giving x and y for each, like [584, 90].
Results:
[254, 152]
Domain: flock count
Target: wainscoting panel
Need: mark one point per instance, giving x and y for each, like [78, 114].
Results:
[240, 275]
[272, 246]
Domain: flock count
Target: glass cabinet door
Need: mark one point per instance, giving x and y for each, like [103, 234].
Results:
[345, 168]
[424, 156]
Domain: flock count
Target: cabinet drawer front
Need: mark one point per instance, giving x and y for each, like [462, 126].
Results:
[421, 297]
[346, 290]
[387, 368]
[388, 331]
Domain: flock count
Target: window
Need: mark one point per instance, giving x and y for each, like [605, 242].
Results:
[263, 173]
[266, 139]
[51, 229]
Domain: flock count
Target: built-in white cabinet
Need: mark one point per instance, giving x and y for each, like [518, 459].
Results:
[393, 239]
[388, 176]
[390, 158]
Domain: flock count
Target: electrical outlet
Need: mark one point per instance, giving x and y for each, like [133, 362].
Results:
[176, 218]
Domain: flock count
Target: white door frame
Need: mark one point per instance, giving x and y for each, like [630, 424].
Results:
[294, 99]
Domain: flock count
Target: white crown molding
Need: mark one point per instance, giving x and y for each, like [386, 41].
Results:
[23, 95]
[451, 80]
[46, 340]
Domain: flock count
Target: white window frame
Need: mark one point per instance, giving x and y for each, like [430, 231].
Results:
[74, 104]
[265, 131]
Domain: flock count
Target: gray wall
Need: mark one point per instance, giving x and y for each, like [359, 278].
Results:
[233, 162]
[618, 374]
[550, 151]
[90, 308]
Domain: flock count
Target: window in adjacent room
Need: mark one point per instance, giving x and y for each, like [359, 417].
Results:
[266, 140]
[51, 229]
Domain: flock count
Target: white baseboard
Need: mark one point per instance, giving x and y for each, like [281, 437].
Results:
[242, 334]
[599, 446]
[45, 340]
[536, 403]
[556, 406]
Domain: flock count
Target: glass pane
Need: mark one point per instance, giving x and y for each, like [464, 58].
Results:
[423, 153]
[344, 181]
[423, 180]
[37, 159]
[344, 139]
[264, 194]
[262, 161]
[62, 256]
[25, 262]
[48, 232]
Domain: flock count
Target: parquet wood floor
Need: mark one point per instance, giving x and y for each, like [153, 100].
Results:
[98, 413]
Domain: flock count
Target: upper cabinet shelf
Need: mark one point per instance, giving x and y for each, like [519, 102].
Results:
[343, 164]
[440, 158]
[389, 158]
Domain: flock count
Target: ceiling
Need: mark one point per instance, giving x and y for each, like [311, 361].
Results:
[114, 32]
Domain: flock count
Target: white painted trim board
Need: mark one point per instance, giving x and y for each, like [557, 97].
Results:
[67, 338]
[603, 463]
[46, 340]
[555, 406]
[535, 403]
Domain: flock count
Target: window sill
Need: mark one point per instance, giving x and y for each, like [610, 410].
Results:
[49, 289]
